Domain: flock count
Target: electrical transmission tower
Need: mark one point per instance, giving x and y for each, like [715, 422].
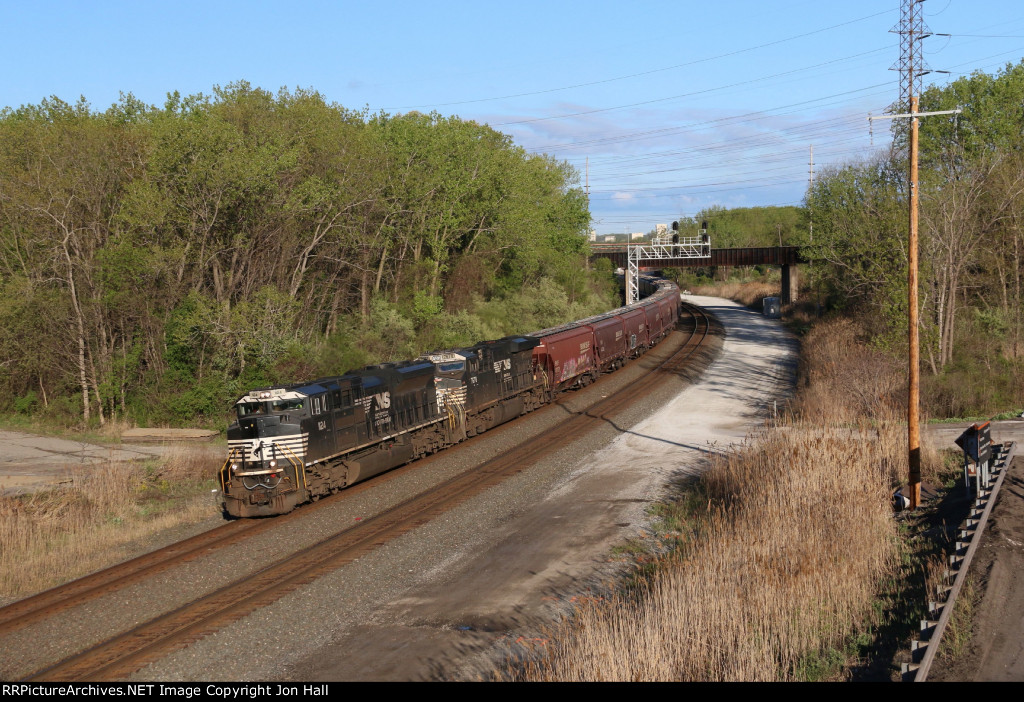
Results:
[911, 66]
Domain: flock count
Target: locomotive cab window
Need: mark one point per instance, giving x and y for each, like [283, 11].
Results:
[247, 409]
[321, 404]
[452, 367]
[286, 405]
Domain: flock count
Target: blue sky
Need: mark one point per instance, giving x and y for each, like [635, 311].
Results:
[676, 105]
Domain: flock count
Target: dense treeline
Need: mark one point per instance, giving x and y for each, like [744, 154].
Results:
[742, 227]
[157, 262]
[972, 243]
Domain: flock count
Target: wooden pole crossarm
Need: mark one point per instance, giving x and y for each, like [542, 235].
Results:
[916, 114]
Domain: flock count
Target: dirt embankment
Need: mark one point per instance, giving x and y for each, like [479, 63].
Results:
[995, 650]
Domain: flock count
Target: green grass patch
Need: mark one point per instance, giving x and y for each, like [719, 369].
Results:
[820, 666]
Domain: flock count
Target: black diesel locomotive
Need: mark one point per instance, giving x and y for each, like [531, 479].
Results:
[296, 443]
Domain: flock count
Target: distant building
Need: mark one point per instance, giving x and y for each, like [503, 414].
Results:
[609, 238]
[593, 235]
[661, 229]
[636, 235]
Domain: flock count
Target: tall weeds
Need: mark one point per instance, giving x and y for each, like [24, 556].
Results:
[89, 522]
[748, 294]
[794, 537]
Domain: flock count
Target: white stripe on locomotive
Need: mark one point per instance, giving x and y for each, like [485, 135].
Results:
[297, 444]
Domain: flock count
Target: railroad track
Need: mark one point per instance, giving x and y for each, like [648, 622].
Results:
[122, 655]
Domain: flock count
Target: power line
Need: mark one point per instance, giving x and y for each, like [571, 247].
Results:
[682, 95]
[749, 116]
[642, 73]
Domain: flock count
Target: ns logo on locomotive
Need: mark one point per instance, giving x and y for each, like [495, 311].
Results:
[299, 442]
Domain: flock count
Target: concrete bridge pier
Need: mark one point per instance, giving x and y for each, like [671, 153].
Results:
[790, 284]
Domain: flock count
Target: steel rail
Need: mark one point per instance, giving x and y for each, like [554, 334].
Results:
[50, 602]
[72, 594]
[127, 652]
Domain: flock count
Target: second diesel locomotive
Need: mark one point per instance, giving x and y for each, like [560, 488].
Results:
[299, 442]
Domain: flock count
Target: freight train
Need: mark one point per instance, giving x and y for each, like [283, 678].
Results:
[296, 443]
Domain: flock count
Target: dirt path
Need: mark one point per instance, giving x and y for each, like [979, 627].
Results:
[30, 461]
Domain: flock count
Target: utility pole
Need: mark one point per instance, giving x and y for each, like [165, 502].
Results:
[912, 25]
[912, 30]
[914, 397]
[590, 217]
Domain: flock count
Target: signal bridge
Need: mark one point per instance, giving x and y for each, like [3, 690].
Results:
[788, 258]
[662, 248]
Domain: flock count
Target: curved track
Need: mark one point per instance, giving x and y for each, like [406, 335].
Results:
[123, 654]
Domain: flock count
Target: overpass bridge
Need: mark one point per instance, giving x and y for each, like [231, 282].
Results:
[787, 257]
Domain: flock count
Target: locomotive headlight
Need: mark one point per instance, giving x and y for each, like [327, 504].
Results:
[234, 467]
[273, 464]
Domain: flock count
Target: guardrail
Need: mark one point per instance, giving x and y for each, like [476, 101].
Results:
[924, 650]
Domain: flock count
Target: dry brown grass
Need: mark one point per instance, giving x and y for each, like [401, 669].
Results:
[747, 294]
[844, 378]
[797, 533]
[794, 539]
[90, 522]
